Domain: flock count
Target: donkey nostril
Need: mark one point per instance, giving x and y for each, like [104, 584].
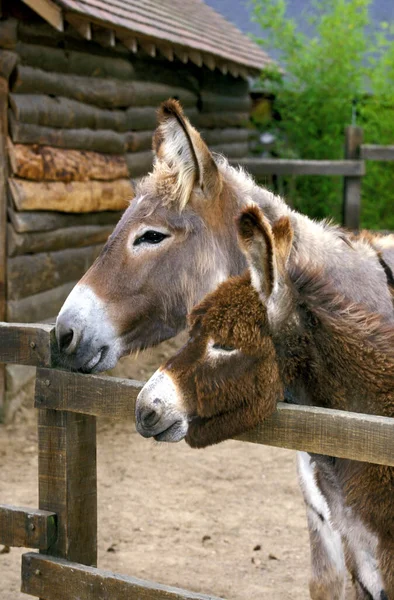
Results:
[151, 416]
[65, 339]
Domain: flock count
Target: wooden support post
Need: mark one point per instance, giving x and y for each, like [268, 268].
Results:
[351, 184]
[3, 222]
[67, 482]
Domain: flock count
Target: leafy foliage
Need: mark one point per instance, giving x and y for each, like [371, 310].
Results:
[338, 63]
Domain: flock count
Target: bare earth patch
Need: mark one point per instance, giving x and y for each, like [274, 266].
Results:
[228, 520]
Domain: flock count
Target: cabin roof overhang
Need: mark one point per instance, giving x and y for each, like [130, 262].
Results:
[188, 30]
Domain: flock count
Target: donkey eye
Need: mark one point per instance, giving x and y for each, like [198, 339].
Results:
[150, 237]
[224, 348]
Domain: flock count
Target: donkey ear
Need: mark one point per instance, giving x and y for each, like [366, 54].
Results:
[257, 243]
[180, 148]
[267, 251]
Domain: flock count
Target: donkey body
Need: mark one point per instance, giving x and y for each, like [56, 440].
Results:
[288, 328]
[177, 241]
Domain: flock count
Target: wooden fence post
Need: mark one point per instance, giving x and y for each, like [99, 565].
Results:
[3, 222]
[352, 185]
[68, 482]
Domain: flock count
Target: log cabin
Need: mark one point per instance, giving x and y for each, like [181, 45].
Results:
[80, 82]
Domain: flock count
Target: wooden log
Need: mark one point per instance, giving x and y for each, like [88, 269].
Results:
[35, 273]
[67, 482]
[105, 141]
[375, 152]
[40, 306]
[234, 150]
[58, 579]
[259, 167]
[27, 344]
[8, 62]
[3, 218]
[139, 140]
[213, 102]
[76, 196]
[230, 135]
[221, 119]
[8, 33]
[104, 92]
[26, 527]
[59, 239]
[24, 222]
[139, 163]
[36, 109]
[354, 436]
[46, 163]
[65, 61]
[351, 208]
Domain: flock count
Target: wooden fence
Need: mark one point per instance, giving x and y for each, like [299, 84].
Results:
[64, 528]
[352, 169]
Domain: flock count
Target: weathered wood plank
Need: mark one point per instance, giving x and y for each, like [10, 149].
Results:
[8, 62]
[351, 209]
[3, 219]
[39, 307]
[375, 152]
[75, 196]
[96, 395]
[277, 166]
[213, 102]
[46, 163]
[57, 579]
[105, 92]
[221, 119]
[60, 60]
[60, 239]
[67, 482]
[230, 135]
[8, 33]
[336, 433]
[139, 163]
[232, 150]
[26, 221]
[27, 344]
[32, 274]
[26, 527]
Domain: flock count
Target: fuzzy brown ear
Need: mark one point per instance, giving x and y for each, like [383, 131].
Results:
[267, 250]
[182, 155]
[257, 243]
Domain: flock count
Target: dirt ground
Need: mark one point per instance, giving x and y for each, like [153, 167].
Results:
[227, 521]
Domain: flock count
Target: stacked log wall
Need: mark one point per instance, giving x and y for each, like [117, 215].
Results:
[81, 119]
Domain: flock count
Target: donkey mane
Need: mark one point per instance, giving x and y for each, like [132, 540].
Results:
[315, 294]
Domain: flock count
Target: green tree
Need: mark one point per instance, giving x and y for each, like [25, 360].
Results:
[324, 72]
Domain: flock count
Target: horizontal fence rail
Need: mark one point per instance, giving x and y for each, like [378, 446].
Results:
[57, 579]
[27, 527]
[375, 152]
[336, 433]
[283, 166]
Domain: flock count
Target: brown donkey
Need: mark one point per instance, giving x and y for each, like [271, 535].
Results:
[282, 327]
[177, 241]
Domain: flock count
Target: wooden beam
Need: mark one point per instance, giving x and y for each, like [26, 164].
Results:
[81, 25]
[276, 166]
[129, 42]
[104, 37]
[167, 52]
[351, 207]
[27, 344]
[148, 47]
[182, 54]
[39, 307]
[8, 62]
[56, 579]
[354, 436]
[49, 11]
[209, 61]
[375, 152]
[195, 57]
[48, 221]
[3, 222]
[67, 483]
[43, 241]
[26, 527]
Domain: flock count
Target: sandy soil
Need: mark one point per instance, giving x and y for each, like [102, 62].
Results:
[227, 520]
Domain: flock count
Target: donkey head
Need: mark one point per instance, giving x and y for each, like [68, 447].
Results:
[226, 379]
[174, 243]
